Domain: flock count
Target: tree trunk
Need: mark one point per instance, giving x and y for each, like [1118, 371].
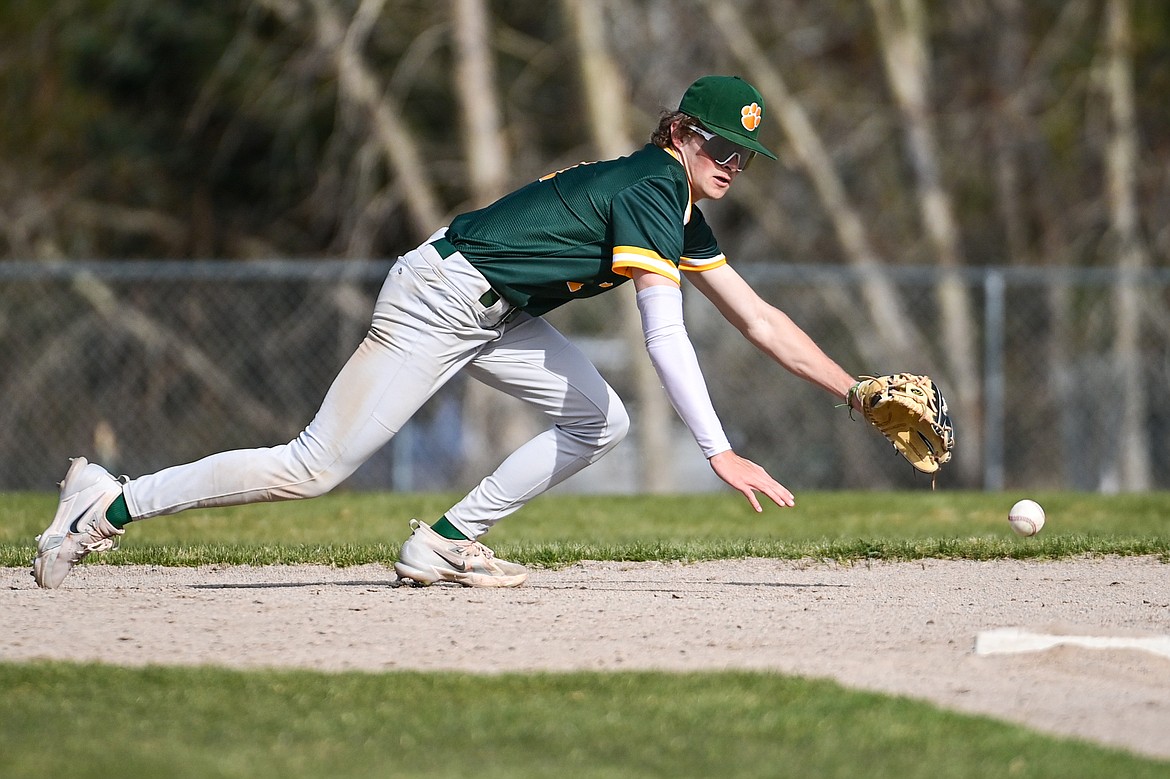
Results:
[496, 424]
[606, 97]
[1054, 241]
[1007, 126]
[1121, 153]
[902, 35]
[488, 158]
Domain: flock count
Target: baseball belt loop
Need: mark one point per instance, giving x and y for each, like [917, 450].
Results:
[444, 247]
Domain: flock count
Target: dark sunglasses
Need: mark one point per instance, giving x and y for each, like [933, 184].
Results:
[723, 151]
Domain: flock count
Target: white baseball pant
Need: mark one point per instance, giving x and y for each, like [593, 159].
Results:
[428, 324]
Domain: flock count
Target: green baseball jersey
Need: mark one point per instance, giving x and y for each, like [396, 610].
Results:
[581, 231]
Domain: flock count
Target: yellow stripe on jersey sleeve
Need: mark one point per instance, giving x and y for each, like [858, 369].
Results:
[626, 258]
[692, 265]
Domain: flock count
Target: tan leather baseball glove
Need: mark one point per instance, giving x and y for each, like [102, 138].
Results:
[911, 413]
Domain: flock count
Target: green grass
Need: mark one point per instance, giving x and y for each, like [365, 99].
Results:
[354, 528]
[101, 721]
[60, 719]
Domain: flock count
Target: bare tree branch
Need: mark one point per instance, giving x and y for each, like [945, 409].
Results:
[157, 338]
[893, 339]
[358, 85]
[167, 230]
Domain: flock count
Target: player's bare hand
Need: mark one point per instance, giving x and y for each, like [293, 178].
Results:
[747, 477]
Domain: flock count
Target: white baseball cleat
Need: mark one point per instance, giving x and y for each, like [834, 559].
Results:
[427, 558]
[80, 525]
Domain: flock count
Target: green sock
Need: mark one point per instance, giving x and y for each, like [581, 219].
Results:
[444, 528]
[118, 514]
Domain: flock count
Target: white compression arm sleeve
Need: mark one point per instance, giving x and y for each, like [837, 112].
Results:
[674, 358]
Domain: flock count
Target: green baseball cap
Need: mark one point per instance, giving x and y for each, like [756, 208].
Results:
[729, 107]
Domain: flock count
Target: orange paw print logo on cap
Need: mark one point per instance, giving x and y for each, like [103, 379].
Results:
[750, 116]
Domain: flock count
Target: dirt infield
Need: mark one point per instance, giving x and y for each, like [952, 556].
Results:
[905, 628]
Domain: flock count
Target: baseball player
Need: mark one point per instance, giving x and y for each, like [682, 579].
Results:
[471, 299]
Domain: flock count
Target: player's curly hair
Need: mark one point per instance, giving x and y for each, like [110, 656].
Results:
[661, 135]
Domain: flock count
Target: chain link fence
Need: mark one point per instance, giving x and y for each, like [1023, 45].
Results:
[141, 365]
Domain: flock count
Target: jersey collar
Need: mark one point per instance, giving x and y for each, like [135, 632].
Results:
[690, 200]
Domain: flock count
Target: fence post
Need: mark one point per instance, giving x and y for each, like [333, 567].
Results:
[993, 378]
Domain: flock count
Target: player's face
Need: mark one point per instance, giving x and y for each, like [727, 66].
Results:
[709, 179]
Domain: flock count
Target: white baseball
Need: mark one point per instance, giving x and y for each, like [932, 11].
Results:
[1026, 517]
